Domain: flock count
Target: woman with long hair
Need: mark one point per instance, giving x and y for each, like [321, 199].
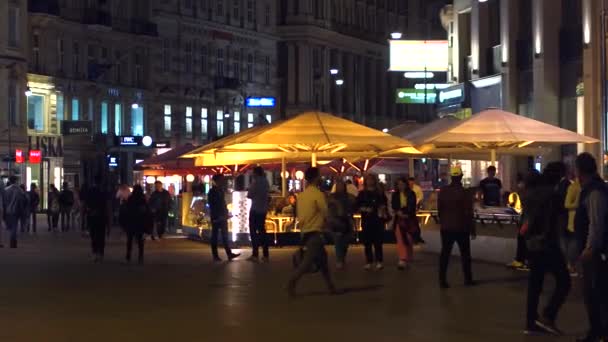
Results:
[371, 202]
[137, 214]
[403, 202]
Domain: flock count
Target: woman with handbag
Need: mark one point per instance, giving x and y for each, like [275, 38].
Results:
[137, 221]
[403, 202]
[371, 202]
[340, 220]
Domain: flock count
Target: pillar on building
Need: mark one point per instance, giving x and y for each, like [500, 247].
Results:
[479, 37]
[509, 24]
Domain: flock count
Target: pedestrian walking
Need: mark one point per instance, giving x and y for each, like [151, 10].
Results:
[372, 204]
[219, 217]
[52, 213]
[417, 235]
[591, 227]
[570, 243]
[455, 209]
[66, 202]
[160, 201]
[34, 201]
[340, 220]
[516, 199]
[122, 196]
[312, 213]
[259, 194]
[14, 208]
[25, 218]
[403, 202]
[96, 208]
[137, 220]
[491, 188]
[543, 204]
[82, 193]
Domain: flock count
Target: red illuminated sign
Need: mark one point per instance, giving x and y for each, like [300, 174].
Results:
[18, 156]
[35, 156]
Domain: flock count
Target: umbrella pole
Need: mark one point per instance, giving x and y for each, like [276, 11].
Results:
[493, 157]
[314, 159]
[410, 166]
[283, 178]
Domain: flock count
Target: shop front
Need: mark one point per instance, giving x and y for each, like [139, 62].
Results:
[44, 165]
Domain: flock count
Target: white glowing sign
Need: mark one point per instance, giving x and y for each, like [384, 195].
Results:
[418, 55]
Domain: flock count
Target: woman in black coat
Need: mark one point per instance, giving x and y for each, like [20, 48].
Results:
[403, 202]
[137, 215]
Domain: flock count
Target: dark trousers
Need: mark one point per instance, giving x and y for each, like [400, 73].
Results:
[550, 261]
[160, 223]
[12, 225]
[97, 231]
[218, 227]
[65, 214]
[595, 285]
[521, 253]
[257, 232]
[52, 219]
[34, 223]
[24, 222]
[373, 238]
[463, 239]
[314, 252]
[83, 221]
[139, 238]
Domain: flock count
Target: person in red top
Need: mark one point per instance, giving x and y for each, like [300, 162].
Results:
[455, 206]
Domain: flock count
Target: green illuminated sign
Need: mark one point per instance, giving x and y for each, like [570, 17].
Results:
[411, 95]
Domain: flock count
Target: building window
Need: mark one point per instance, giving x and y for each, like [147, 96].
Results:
[267, 69]
[250, 68]
[237, 122]
[117, 119]
[219, 10]
[203, 60]
[220, 63]
[250, 118]
[189, 122]
[167, 121]
[61, 54]
[36, 50]
[90, 55]
[236, 66]
[76, 59]
[13, 27]
[35, 112]
[60, 109]
[236, 7]
[166, 55]
[137, 121]
[12, 103]
[104, 118]
[117, 66]
[75, 109]
[220, 123]
[90, 110]
[204, 122]
[188, 57]
[250, 11]
[139, 69]
[267, 15]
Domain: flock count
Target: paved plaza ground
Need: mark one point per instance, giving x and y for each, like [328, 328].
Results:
[51, 291]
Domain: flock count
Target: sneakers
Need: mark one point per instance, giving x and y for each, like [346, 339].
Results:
[515, 264]
[367, 267]
[379, 266]
[402, 265]
[535, 330]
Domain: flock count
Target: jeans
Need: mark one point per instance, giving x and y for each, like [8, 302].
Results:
[66, 220]
[160, 222]
[570, 247]
[139, 238]
[217, 227]
[549, 261]
[97, 231]
[257, 232]
[34, 224]
[314, 252]
[341, 243]
[521, 254]
[595, 283]
[463, 239]
[52, 219]
[373, 237]
[12, 225]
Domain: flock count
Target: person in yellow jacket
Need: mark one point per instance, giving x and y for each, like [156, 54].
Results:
[569, 240]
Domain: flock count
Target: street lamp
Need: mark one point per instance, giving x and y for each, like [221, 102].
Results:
[28, 92]
[385, 130]
[135, 106]
[333, 71]
[339, 82]
[396, 35]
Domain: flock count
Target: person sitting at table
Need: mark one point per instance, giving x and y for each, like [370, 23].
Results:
[490, 188]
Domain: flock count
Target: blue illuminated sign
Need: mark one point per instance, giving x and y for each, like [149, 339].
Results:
[261, 102]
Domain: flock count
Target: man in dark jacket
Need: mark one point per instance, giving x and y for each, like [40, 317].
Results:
[160, 202]
[455, 206]
[34, 201]
[591, 226]
[14, 207]
[96, 209]
[542, 207]
[219, 215]
[66, 202]
[258, 193]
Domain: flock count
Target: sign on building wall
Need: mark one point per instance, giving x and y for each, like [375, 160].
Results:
[82, 127]
[419, 55]
[417, 96]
